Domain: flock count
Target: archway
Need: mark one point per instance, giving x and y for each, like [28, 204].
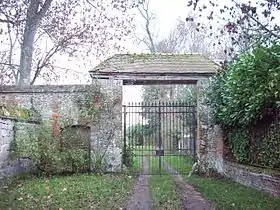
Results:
[159, 69]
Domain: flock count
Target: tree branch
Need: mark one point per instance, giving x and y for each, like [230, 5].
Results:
[147, 18]
[257, 21]
[12, 44]
[41, 64]
[44, 9]
[6, 21]
[264, 27]
[9, 64]
[88, 1]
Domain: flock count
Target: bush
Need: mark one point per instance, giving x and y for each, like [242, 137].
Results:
[240, 145]
[270, 150]
[127, 157]
[251, 83]
[137, 133]
[45, 150]
[238, 96]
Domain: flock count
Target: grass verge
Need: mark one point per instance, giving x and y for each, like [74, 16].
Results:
[231, 195]
[227, 194]
[79, 191]
[162, 189]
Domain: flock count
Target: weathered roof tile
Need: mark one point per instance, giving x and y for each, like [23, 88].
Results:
[157, 63]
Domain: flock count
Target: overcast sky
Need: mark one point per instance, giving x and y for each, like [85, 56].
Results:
[166, 11]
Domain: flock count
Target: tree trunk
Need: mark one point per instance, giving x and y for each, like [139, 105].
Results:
[27, 54]
[33, 19]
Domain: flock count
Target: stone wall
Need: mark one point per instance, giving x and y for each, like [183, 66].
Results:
[61, 103]
[9, 130]
[106, 134]
[211, 152]
[47, 100]
[246, 175]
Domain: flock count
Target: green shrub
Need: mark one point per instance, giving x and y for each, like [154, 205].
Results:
[249, 84]
[240, 145]
[238, 96]
[127, 156]
[47, 153]
[270, 151]
[137, 133]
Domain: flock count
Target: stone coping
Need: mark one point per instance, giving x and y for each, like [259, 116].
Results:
[19, 120]
[43, 88]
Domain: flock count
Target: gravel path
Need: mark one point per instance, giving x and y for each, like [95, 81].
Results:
[141, 195]
[190, 198]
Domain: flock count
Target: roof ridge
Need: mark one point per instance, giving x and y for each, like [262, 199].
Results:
[121, 59]
[156, 53]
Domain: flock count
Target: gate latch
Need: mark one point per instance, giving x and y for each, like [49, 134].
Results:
[159, 152]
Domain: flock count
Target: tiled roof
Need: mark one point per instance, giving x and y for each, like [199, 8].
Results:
[157, 63]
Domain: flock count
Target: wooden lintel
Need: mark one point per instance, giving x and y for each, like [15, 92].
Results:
[159, 82]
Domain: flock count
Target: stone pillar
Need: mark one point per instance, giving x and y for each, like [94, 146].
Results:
[203, 124]
[106, 131]
[219, 141]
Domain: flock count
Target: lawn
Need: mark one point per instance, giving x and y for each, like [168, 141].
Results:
[153, 160]
[162, 189]
[231, 195]
[137, 163]
[227, 194]
[80, 191]
[181, 163]
[164, 193]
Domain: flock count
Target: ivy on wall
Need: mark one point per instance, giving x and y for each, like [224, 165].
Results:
[240, 93]
[47, 153]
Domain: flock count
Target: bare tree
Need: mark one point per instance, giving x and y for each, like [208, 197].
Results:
[36, 31]
[149, 37]
[183, 38]
[243, 24]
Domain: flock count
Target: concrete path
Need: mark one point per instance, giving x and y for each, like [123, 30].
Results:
[140, 200]
[190, 198]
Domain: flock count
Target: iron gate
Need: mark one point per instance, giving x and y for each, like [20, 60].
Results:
[159, 135]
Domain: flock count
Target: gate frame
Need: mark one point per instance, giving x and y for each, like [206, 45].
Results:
[166, 79]
[128, 116]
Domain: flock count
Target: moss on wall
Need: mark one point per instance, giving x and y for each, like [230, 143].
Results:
[14, 112]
